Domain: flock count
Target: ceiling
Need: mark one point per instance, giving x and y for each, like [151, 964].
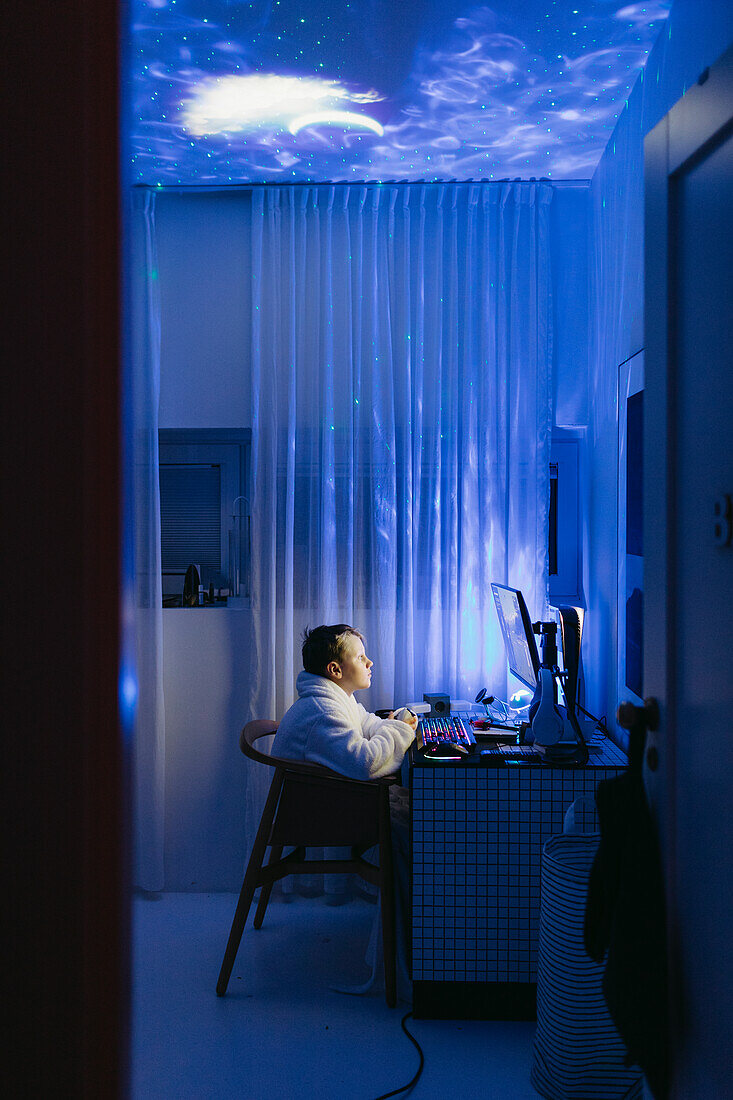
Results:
[227, 91]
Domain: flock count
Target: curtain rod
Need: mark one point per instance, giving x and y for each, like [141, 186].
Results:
[203, 187]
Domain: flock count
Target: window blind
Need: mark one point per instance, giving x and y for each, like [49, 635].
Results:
[190, 516]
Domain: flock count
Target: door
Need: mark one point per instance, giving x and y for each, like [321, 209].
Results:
[688, 633]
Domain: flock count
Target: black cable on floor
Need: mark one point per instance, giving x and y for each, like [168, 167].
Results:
[416, 1078]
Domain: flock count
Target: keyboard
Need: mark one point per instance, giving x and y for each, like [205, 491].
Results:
[435, 731]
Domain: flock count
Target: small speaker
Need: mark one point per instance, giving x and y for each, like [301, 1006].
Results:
[439, 705]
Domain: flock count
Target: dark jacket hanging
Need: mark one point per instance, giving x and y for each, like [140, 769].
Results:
[625, 915]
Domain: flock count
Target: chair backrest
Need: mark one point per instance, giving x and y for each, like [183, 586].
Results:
[317, 806]
[265, 727]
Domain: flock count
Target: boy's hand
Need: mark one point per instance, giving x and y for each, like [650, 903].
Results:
[405, 715]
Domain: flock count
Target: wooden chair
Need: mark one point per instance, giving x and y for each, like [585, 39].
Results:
[310, 806]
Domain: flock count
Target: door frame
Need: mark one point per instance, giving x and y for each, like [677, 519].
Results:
[694, 126]
[66, 761]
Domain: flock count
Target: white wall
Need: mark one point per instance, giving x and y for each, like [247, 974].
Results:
[205, 657]
[569, 216]
[697, 32]
[203, 267]
[204, 290]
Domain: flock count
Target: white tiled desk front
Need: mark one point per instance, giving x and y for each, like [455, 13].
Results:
[477, 836]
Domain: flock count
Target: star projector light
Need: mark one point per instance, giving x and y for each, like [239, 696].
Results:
[233, 92]
[247, 104]
[344, 119]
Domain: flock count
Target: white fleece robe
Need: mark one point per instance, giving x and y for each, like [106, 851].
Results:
[327, 726]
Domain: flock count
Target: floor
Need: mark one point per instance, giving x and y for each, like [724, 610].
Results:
[281, 1031]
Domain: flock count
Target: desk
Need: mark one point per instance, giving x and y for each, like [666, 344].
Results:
[477, 833]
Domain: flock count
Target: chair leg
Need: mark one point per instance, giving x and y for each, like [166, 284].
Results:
[386, 888]
[249, 885]
[266, 889]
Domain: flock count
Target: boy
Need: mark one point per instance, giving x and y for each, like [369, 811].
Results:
[326, 725]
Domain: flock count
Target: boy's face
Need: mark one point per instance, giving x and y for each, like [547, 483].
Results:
[353, 671]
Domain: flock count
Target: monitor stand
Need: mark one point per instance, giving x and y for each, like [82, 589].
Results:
[555, 728]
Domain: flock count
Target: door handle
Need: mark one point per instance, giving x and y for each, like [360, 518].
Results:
[646, 717]
[638, 720]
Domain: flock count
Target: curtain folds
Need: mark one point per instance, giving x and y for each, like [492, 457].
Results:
[401, 402]
[401, 359]
[146, 629]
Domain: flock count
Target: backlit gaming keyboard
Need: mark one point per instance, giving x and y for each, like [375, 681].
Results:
[434, 731]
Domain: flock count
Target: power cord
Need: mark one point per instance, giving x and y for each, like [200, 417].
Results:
[600, 722]
[410, 1084]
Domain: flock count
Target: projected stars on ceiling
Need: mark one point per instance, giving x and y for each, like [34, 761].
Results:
[230, 92]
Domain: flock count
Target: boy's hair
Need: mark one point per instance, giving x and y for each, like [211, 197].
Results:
[324, 644]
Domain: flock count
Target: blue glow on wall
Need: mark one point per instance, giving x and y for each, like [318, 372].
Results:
[127, 689]
[227, 91]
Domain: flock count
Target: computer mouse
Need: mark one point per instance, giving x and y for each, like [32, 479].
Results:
[444, 750]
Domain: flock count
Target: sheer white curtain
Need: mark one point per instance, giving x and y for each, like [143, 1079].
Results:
[401, 412]
[143, 517]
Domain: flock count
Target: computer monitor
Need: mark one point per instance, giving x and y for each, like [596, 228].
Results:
[516, 627]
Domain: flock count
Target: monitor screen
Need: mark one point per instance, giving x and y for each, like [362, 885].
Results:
[516, 627]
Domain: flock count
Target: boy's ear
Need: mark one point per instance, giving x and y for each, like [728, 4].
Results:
[333, 670]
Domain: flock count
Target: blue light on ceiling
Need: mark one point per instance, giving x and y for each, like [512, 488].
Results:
[228, 91]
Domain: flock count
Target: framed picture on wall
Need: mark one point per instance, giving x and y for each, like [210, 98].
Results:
[630, 654]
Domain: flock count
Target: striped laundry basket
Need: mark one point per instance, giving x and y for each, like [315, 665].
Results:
[577, 1051]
